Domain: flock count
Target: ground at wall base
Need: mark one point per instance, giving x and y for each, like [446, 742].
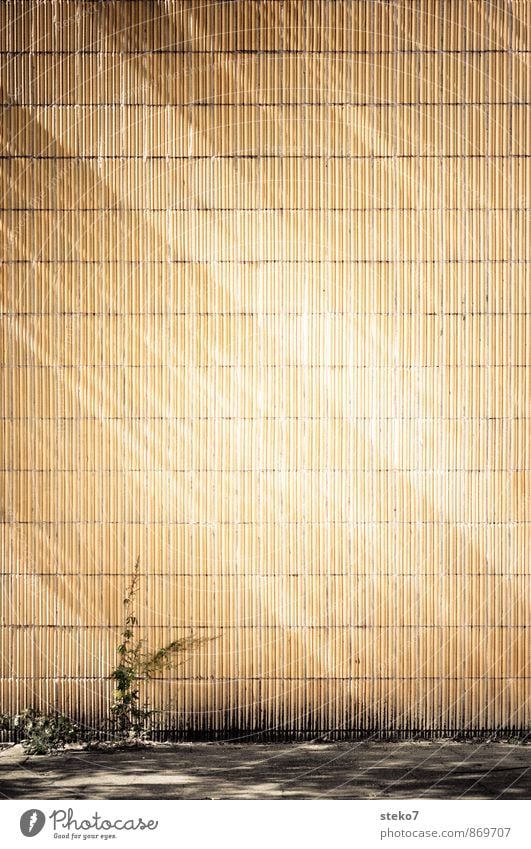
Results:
[356, 770]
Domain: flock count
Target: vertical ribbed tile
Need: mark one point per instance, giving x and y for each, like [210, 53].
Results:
[266, 327]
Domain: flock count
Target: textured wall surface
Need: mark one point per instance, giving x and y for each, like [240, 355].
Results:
[266, 318]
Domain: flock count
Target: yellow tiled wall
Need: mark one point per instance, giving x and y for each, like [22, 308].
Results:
[266, 323]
